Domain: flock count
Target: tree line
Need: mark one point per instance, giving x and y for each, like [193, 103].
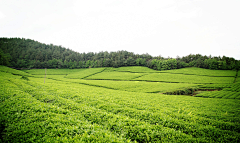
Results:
[27, 53]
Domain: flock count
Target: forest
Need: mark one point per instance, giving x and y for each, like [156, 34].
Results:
[21, 53]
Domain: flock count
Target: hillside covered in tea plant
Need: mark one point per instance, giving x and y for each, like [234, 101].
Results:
[125, 104]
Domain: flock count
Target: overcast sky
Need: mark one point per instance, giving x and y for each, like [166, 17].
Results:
[157, 27]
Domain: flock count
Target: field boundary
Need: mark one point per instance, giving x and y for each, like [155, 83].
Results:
[93, 74]
[236, 76]
[139, 76]
[196, 74]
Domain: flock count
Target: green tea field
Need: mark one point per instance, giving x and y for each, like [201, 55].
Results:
[126, 104]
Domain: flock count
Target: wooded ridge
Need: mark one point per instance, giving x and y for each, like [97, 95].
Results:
[27, 53]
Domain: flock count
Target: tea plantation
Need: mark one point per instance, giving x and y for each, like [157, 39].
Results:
[128, 104]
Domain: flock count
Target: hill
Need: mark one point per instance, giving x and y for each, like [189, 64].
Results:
[119, 105]
[27, 53]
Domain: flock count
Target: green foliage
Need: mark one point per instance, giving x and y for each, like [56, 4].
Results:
[25, 78]
[26, 53]
[116, 75]
[131, 62]
[5, 58]
[183, 91]
[133, 69]
[181, 78]
[52, 71]
[13, 71]
[62, 110]
[227, 91]
[88, 64]
[84, 73]
[163, 64]
[31, 119]
[211, 64]
[141, 62]
[215, 86]
[202, 72]
[133, 86]
[220, 94]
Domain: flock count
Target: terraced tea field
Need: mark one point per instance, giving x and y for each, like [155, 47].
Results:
[181, 78]
[115, 75]
[53, 71]
[133, 69]
[118, 105]
[200, 71]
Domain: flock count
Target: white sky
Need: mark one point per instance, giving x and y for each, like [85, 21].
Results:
[156, 27]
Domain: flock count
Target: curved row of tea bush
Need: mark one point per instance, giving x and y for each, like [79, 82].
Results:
[220, 94]
[62, 110]
[26, 119]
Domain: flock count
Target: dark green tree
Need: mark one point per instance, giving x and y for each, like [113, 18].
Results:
[5, 58]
